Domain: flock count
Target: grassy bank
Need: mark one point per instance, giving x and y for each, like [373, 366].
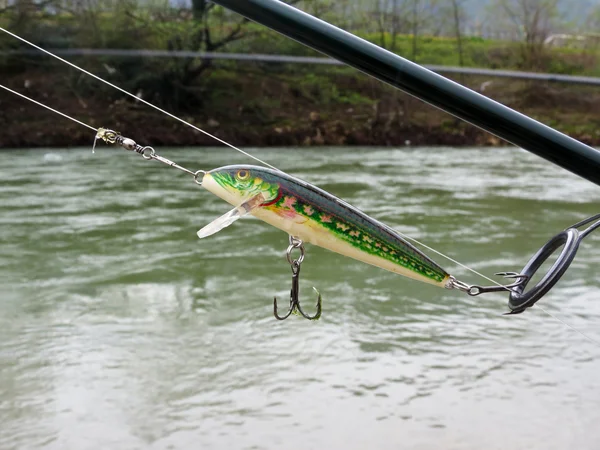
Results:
[252, 106]
[264, 103]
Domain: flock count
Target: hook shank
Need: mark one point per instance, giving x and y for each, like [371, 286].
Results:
[295, 307]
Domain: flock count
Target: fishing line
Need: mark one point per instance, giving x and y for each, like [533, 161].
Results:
[569, 326]
[450, 259]
[48, 108]
[139, 99]
[231, 146]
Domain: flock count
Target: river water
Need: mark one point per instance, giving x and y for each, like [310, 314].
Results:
[119, 329]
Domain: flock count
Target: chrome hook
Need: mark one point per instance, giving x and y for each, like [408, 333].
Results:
[295, 307]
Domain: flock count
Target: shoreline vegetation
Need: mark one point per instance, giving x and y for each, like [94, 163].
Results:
[264, 104]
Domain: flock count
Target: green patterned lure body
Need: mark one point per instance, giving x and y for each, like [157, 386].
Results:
[313, 215]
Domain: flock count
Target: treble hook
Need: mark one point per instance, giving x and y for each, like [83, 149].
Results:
[295, 307]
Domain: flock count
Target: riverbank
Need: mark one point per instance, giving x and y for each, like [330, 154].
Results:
[259, 107]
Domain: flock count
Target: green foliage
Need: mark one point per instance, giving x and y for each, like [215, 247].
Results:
[185, 84]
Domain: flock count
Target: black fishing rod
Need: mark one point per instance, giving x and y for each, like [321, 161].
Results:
[457, 100]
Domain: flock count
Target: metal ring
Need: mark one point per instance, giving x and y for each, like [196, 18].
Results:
[295, 242]
[289, 254]
[474, 290]
[519, 300]
[148, 153]
[197, 175]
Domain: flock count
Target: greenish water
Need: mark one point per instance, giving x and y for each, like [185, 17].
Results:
[119, 329]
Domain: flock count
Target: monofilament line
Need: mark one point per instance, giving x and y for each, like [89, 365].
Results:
[569, 326]
[48, 108]
[139, 99]
[450, 259]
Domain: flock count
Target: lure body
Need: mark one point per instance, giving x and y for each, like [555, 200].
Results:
[314, 215]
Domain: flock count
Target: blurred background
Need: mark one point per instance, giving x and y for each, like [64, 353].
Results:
[120, 329]
[256, 102]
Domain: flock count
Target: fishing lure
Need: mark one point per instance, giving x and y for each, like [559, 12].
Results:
[309, 214]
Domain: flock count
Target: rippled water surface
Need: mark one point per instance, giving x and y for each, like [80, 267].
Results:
[119, 329]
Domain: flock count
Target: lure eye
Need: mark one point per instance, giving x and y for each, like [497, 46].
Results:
[242, 175]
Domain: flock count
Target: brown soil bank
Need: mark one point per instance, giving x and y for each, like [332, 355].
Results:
[260, 108]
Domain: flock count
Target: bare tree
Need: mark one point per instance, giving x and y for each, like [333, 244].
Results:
[380, 14]
[592, 42]
[202, 38]
[532, 20]
[399, 23]
[23, 14]
[458, 13]
[421, 14]
[593, 21]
